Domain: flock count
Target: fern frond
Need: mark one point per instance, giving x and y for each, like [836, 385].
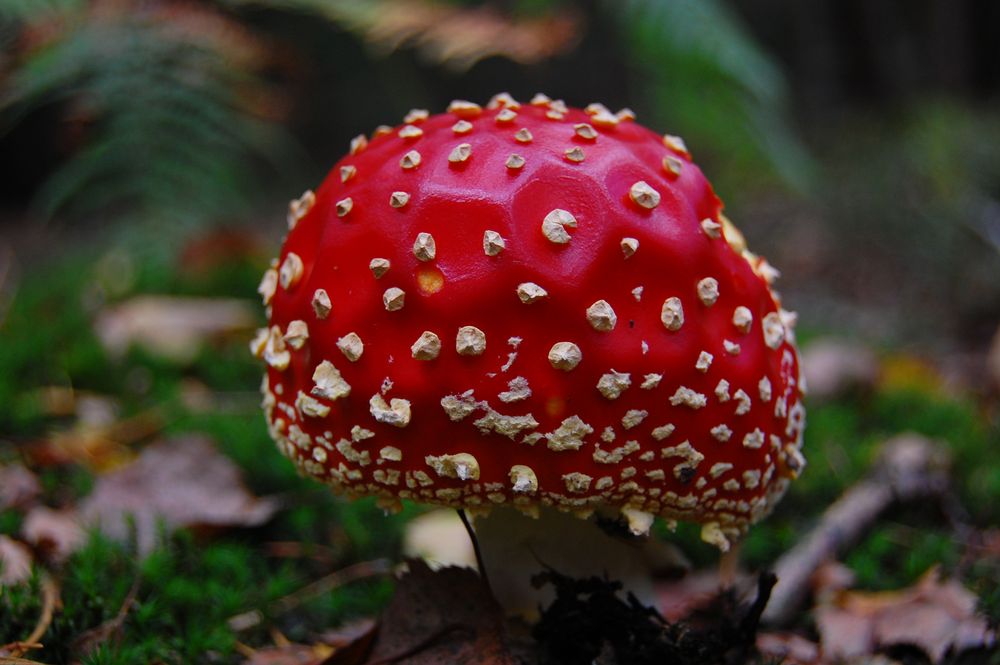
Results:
[707, 77]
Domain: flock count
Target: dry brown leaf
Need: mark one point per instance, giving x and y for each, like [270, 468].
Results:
[55, 533]
[444, 616]
[15, 562]
[456, 36]
[183, 482]
[788, 649]
[18, 487]
[832, 367]
[290, 654]
[170, 326]
[97, 442]
[933, 615]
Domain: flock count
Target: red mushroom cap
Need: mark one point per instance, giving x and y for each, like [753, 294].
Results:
[531, 305]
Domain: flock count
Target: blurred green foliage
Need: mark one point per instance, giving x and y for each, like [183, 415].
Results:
[170, 110]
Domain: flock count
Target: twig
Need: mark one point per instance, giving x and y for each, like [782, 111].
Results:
[910, 467]
[475, 549]
[50, 598]
[352, 573]
[87, 641]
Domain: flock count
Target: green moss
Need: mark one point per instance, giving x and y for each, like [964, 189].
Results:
[187, 592]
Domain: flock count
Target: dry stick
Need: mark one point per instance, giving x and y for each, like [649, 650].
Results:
[910, 467]
[476, 550]
[88, 641]
[352, 573]
[50, 598]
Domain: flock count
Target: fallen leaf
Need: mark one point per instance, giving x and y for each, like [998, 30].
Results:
[788, 649]
[833, 367]
[933, 615]
[170, 326]
[18, 487]
[56, 533]
[290, 654]
[15, 562]
[352, 642]
[183, 482]
[443, 616]
[440, 538]
[457, 36]
[95, 441]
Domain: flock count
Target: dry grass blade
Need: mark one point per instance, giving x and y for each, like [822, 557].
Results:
[50, 600]
[352, 573]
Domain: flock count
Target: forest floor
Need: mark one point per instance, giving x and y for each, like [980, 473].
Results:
[146, 517]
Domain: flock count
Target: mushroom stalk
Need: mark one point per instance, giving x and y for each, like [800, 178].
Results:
[515, 547]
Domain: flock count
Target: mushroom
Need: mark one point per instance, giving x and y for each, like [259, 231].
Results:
[617, 349]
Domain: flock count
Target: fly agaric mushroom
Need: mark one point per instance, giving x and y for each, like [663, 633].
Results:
[537, 307]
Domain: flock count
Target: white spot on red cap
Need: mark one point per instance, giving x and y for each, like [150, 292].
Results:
[530, 292]
[461, 466]
[470, 341]
[643, 195]
[298, 208]
[601, 316]
[629, 247]
[291, 271]
[672, 314]
[505, 116]
[424, 247]
[523, 479]
[675, 143]
[493, 243]
[554, 226]
[574, 154]
[393, 298]
[651, 381]
[297, 334]
[416, 115]
[396, 412]
[569, 435]
[577, 483]
[514, 162]
[704, 361]
[462, 127]
[358, 144]
[379, 266]
[523, 135]
[613, 384]
[742, 319]
[399, 199]
[565, 356]
[721, 432]
[465, 109]
[774, 330]
[708, 291]
[328, 383]
[460, 154]
[410, 132]
[687, 397]
[585, 131]
[268, 286]
[427, 346]
[321, 303]
[410, 160]
[344, 206]
[351, 346]
[672, 166]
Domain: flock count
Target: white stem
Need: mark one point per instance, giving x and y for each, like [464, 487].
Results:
[515, 547]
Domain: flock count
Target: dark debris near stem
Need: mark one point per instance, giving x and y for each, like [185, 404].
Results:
[589, 622]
